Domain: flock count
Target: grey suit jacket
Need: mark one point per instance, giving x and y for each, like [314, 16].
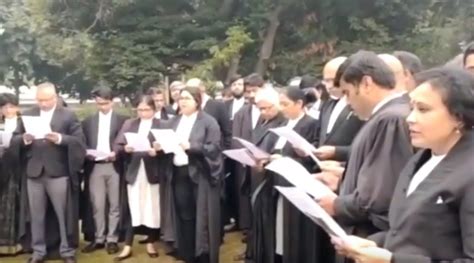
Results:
[44, 156]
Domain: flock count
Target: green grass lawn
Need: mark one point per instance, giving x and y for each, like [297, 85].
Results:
[231, 247]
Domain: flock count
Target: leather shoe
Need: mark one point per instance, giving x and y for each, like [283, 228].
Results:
[69, 260]
[112, 248]
[34, 260]
[118, 259]
[92, 247]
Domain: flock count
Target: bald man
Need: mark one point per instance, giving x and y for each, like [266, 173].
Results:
[338, 126]
[52, 166]
[396, 66]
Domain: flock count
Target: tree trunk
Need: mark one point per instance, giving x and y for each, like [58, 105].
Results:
[267, 46]
[233, 67]
[225, 11]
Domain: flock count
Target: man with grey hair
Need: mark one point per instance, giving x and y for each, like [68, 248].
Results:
[175, 88]
[412, 65]
[52, 167]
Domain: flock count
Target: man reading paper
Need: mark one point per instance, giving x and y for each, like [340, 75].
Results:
[52, 166]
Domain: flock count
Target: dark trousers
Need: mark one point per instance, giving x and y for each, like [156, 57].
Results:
[185, 202]
[152, 234]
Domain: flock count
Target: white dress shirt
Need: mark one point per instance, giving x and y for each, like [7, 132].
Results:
[255, 116]
[237, 104]
[424, 172]
[205, 99]
[291, 124]
[340, 106]
[10, 124]
[47, 116]
[183, 131]
[145, 126]
[158, 115]
[103, 136]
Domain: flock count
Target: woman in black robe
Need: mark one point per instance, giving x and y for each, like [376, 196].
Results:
[10, 179]
[142, 176]
[196, 173]
[297, 238]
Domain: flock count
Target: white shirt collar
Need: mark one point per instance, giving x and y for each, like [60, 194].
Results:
[385, 101]
[191, 117]
[293, 122]
[106, 115]
[10, 124]
[49, 111]
[205, 99]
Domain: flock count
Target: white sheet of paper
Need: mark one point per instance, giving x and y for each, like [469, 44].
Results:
[241, 155]
[313, 210]
[168, 140]
[298, 176]
[6, 138]
[99, 155]
[138, 142]
[254, 150]
[36, 126]
[296, 141]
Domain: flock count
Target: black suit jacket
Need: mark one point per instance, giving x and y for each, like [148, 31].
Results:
[90, 127]
[345, 129]
[435, 223]
[44, 157]
[218, 110]
[132, 160]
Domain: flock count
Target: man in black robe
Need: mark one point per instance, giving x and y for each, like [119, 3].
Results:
[52, 166]
[338, 124]
[162, 112]
[261, 247]
[243, 126]
[412, 65]
[380, 150]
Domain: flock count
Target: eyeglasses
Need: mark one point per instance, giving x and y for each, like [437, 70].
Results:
[145, 110]
[186, 98]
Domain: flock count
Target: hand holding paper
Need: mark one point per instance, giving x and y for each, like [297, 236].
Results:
[36, 126]
[297, 175]
[311, 209]
[254, 150]
[242, 156]
[138, 142]
[168, 140]
[297, 141]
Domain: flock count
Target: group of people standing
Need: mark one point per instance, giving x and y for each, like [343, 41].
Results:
[395, 143]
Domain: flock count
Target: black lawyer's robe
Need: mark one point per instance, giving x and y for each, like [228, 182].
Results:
[12, 188]
[131, 165]
[74, 147]
[90, 127]
[379, 152]
[242, 128]
[344, 131]
[303, 240]
[261, 246]
[435, 223]
[206, 171]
